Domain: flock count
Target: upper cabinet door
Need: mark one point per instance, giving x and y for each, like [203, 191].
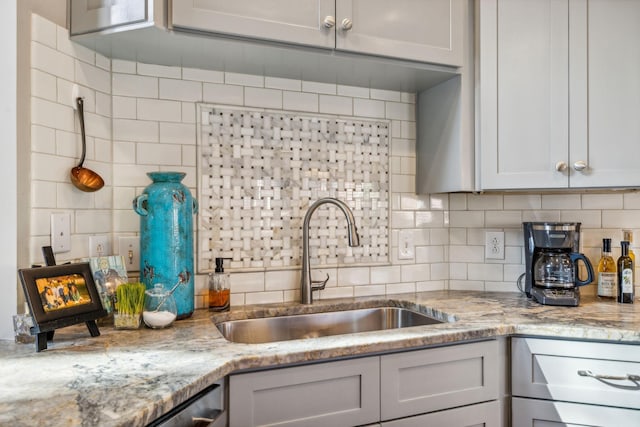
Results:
[605, 93]
[96, 15]
[524, 118]
[309, 22]
[425, 31]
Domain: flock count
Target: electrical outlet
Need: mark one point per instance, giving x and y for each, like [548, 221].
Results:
[98, 246]
[494, 245]
[129, 248]
[60, 232]
[406, 249]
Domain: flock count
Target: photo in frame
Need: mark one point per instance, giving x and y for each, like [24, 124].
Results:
[60, 296]
[108, 273]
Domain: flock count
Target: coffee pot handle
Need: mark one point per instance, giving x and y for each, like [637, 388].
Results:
[575, 257]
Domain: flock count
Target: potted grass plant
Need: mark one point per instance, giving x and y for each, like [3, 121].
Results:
[129, 305]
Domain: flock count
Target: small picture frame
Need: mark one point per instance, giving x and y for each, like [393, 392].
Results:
[60, 296]
[109, 272]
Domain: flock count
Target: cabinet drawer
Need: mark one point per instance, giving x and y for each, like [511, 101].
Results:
[535, 413]
[343, 393]
[548, 369]
[480, 415]
[439, 378]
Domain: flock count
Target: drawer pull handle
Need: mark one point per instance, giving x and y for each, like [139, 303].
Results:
[630, 377]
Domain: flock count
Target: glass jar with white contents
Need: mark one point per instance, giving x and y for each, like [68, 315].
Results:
[159, 308]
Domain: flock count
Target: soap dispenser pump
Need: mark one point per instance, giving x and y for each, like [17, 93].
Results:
[219, 292]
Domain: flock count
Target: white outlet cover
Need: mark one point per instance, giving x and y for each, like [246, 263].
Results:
[99, 246]
[494, 245]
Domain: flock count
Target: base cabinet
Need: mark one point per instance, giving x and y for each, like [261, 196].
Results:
[557, 382]
[455, 385]
[535, 413]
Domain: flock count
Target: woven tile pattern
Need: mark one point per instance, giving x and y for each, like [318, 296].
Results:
[259, 171]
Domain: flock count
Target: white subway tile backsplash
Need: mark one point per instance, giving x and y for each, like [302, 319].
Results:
[281, 280]
[43, 194]
[385, 95]
[272, 297]
[126, 221]
[487, 272]
[92, 76]
[403, 183]
[520, 201]
[588, 218]
[502, 219]
[51, 114]
[468, 219]
[401, 288]
[223, 94]
[621, 219]
[435, 285]
[132, 175]
[102, 61]
[336, 105]
[123, 197]
[466, 285]
[202, 76]
[602, 201]
[460, 253]
[484, 202]
[94, 221]
[540, 216]
[135, 86]
[151, 154]
[339, 292]
[123, 66]
[408, 165]
[159, 70]
[429, 254]
[351, 276]
[178, 133]
[561, 201]
[364, 291]
[400, 111]
[458, 270]
[135, 130]
[353, 91]
[440, 271]
[282, 84]
[415, 272]
[43, 139]
[43, 31]
[631, 200]
[429, 219]
[65, 45]
[300, 101]
[368, 108]
[385, 274]
[320, 88]
[243, 79]
[43, 85]
[124, 107]
[262, 98]
[409, 97]
[124, 152]
[159, 110]
[180, 90]
[400, 219]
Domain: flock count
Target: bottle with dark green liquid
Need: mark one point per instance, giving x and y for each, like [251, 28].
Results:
[625, 275]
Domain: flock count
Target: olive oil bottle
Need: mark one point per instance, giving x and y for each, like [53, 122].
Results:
[607, 277]
[625, 275]
[628, 236]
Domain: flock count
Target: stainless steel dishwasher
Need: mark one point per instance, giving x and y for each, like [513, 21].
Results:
[207, 408]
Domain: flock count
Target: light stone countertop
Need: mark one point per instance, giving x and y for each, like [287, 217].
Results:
[129, 378]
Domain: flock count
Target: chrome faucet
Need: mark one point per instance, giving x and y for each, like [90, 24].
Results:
[307, 286]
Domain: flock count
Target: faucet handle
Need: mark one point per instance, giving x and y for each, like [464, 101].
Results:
[318, 285]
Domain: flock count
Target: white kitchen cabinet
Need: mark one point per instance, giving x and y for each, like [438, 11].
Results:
[336, 393]
[294, 21]
[480, 415]
[546, 374]
[434, 379]
[558, 93]
[368, 390]
[98, 15]
[425, 31]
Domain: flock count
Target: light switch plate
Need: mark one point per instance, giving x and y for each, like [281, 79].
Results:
[129, 248]
[60, 232]
[406, 248]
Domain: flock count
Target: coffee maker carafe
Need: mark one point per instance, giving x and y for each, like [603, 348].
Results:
[551, 261]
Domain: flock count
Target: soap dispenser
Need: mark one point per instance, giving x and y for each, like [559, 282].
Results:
[219, 292]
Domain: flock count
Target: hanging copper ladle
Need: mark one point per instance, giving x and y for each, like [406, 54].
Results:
[83, 178]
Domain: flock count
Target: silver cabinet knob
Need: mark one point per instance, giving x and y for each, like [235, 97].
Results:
[561, 166]
[329, 21]
[347, 24]
[580, 165]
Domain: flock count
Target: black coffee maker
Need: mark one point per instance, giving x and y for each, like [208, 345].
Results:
[551, 262]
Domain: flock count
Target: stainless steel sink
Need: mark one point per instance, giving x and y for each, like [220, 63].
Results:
[284, 328]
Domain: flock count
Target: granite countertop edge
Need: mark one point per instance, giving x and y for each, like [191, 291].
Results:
[132, 377]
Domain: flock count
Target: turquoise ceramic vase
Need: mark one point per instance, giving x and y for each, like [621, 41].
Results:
[166, 210]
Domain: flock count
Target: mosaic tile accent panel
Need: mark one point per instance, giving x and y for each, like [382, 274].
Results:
[259, 171]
